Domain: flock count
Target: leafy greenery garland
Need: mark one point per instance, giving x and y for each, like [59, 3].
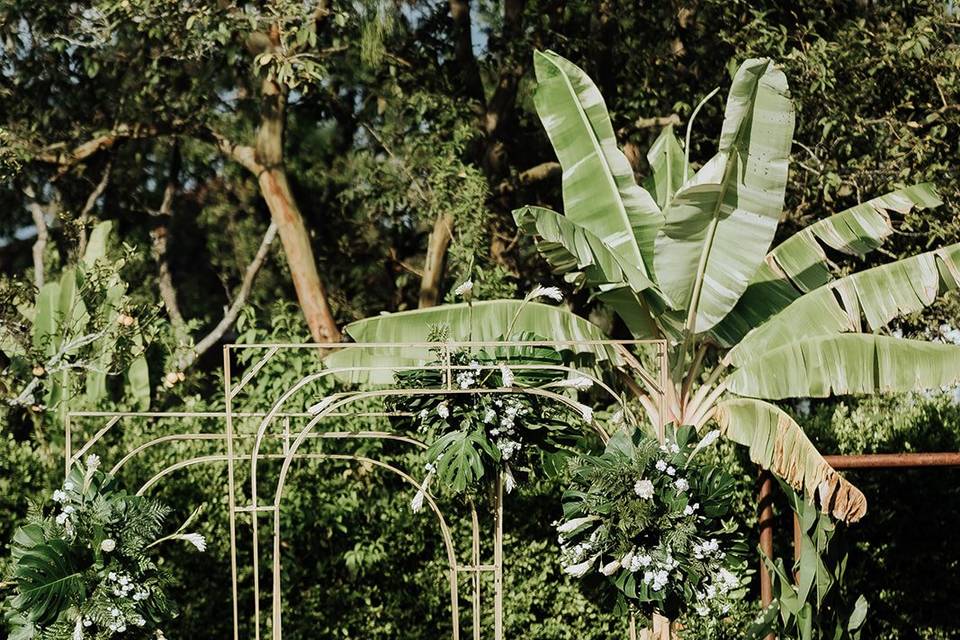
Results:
[648, 520]
[475, 436]
[83, 572]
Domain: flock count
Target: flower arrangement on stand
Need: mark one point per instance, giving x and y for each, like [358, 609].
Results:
[647, 521]
[82, 571]
[472, 436]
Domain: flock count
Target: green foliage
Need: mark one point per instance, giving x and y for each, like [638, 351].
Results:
[86, 572]
[653, 519]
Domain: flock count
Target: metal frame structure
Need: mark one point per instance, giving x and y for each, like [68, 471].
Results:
[283, 434]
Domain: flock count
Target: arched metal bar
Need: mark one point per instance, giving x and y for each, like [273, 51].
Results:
[347, 398]
[327, 435]
[444, 531]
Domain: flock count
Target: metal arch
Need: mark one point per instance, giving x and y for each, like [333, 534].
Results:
[619, 356]
[444, 531]
[353, 397]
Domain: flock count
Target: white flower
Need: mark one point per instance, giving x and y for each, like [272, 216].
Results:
[541, 291]
[320, 406]
[671, 471]
[626, 560]
[93, 461]
[581, 569]
[465, 288]
[661, 465]
[509, 482]
[489, 416]
[644, 489]
[417, 503]
[59, 496]
[423, 414]
[62, 518]
[506, 374]
[576, 523]
[706, 441]
[443, 410]
[690, 509]
[108, 545]
[681, 485]
[702, 609]
[68, 486]
[610, 568]
[196, 540]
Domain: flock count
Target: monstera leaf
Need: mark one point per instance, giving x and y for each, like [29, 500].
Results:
[49, 580]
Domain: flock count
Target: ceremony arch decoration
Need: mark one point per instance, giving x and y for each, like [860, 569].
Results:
[247, 442]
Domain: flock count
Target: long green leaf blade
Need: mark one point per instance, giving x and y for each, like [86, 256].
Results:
[800, 264]
[600, 192]
[482, 321]
[847, 364]
[666, 160]
[720, 225]
[777, 443]
[877, 295]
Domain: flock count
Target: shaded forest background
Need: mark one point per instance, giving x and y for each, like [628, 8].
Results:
[276, 171]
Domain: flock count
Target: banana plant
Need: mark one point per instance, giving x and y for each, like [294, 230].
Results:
[691, 262]
[80, 334]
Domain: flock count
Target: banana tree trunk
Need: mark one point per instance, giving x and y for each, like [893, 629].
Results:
[275, 189]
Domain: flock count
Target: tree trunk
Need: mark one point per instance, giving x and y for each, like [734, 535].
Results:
[433, 265]
[275, 189]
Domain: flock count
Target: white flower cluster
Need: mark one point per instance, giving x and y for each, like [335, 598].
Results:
[656, 572]
[502, 420]
[468, 378]
[644, 489]
[707, 549]
[124, 587]
[722, 582]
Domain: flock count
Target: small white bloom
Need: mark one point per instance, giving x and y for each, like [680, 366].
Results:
[62, 519]
[610, 568]
[464, 289]
[506, 374]
[671, 471]
[581, 569]
[196, 540]
[509, 481]
[68, 486]
[59, 496]
[443, 410]
[576, 523]
[661, 465]
[541, 291]
[489, 416]
[644, 489]
[626, 560]
[93, 461]
[108, 545]
[681, 485]
[423, 414]
[417, 503]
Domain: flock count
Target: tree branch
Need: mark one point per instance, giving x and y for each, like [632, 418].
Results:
[159, 237]
[231, 313]
[40, 244]
[90, 204]
[463, 49]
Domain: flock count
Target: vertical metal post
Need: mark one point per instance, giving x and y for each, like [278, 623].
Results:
[766, 539]
[67, 445]
[498, 558]
[231, 497]
[476, 571]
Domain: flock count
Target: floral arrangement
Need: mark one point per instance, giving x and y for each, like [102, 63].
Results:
[473, 436]
[647, 520]
[82, 570]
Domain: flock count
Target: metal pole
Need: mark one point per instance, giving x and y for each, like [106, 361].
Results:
[766, 539]
[498, 559]
[231, 497]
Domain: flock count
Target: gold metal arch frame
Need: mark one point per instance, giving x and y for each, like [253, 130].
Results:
[245, 440]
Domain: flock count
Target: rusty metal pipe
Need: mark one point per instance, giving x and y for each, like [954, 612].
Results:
[894, 460]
